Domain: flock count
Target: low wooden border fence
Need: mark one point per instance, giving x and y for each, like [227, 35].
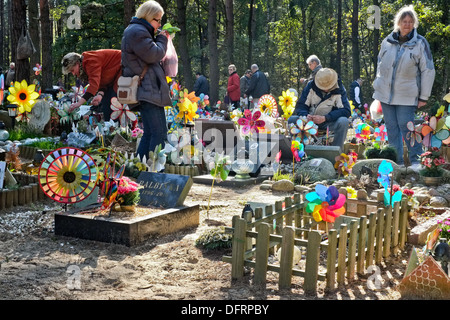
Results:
[350, 248]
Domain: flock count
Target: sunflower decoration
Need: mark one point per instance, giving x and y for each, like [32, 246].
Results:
[23, 95]
[268, 105]
[287, 103]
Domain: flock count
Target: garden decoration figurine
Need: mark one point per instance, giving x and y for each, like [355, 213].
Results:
[442, 254]
[432, 162]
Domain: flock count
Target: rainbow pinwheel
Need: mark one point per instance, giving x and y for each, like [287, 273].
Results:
[68, 175]
[38, 69]
[434, 133]
[415, 133]
[268, 105]
[344, 164]
[362, 131]
[2, 87]
[381, 133]
[297, 149]
[121, 112]
[305, 130]
[325, 204]
[250, 122]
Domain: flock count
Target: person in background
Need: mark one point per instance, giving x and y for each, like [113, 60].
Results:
[403, 82]
[142, 46]
[259, 85]
[10, 75]
[324, 101]
[201, 85]
[233, 87]
[314, 65]
[100, 69]
[244, 84]
[355, 94]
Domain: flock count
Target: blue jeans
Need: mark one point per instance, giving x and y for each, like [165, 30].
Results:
[338, 127]
[396, 118]
[155, 128]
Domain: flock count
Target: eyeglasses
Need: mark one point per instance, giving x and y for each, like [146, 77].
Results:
[157, 20]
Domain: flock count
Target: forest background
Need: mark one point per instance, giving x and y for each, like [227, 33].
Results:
[278, 35]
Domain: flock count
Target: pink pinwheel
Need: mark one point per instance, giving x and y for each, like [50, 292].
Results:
[250, 123]
[121, 112]
[415, 133]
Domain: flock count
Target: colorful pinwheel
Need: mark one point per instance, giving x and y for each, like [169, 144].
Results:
[325, 204]
[68, 175]
[121, 112]
[384, 170]
[38, 69]
[344, 164]
[381, 133]
[434, 133]
[250, 122]
[268, 105]
[362, 131]
[415, 133]
[2, 87]
[305, 130]
[188, 110]
[297, 149]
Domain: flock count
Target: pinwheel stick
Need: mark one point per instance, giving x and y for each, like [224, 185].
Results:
[210, 194]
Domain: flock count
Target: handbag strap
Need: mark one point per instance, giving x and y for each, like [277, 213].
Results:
[143, 74]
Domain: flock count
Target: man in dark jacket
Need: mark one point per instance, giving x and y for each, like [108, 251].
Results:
[324, 101]
[355, 94]
[201, 85]
[259, 85]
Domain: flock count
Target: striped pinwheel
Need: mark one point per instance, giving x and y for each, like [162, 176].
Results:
[68, 175]
[122, 113]
[267, 104]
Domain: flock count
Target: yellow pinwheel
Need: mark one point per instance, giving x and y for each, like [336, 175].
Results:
[188, 110]
[23, 95]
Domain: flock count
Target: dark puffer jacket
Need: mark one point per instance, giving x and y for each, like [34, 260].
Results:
[141, 47]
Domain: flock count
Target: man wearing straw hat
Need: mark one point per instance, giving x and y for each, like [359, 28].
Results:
[324, 101]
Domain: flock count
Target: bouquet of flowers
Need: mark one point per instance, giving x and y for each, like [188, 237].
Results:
[432, 161]
[444, 229]
[128, 192]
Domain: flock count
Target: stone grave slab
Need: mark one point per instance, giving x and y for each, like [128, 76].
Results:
[221, 136]
[317, 169]
[230, 182]
[275, 143]
[163, 190]
[373, 165]
[128, 232]
[328, 152]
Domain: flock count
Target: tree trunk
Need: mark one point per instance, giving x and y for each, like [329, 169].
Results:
[355, 41]
[47, 39]
[19, 23]
[339, 38]
[229, 35]
[376, 40]
[214, 74]
[2, 33]
[182, 48]
[33, 17]
[250, 34]
[128, 11]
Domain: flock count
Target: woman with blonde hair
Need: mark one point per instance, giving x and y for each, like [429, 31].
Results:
[143, 48]
[234, 87]
[404, 79]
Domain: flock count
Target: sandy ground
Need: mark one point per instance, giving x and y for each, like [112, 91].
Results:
[37, 265]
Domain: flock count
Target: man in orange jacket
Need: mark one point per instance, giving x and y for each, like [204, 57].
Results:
[101, 69]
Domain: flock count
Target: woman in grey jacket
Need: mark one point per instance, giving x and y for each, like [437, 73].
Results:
[405, 76]
[142, 47]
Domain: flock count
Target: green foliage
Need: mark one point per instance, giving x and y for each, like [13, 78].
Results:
[22, 131]
[280, 176]
[386, 152]
[47, 145]
[215, 238]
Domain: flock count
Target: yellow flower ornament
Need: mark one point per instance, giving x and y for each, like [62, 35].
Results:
[23, 95]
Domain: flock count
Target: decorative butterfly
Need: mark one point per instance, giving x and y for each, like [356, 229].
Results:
[434, 133]
[38, 69]
[121, 112]
[306, 129]
[415, 133]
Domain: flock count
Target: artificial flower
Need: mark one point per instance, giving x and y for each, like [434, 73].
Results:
[287, 103]
[250, 122]
[23, 95]
[67, 116]
[351, 193]
[381, 133]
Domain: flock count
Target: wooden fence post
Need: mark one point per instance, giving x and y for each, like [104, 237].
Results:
[268, 211]
[379, 236]
[395, 227]
[238, 250]
[262, 254]
[248, 241]
[387, 232]
[289, 218]
[403, 223]
[352, 249]
[342, 253]
[361, 245]
[287, 257]
[312, 262]
[371, 239]
[331, 259]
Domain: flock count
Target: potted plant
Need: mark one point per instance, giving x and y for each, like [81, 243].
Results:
[432, 162]
[128, 195]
